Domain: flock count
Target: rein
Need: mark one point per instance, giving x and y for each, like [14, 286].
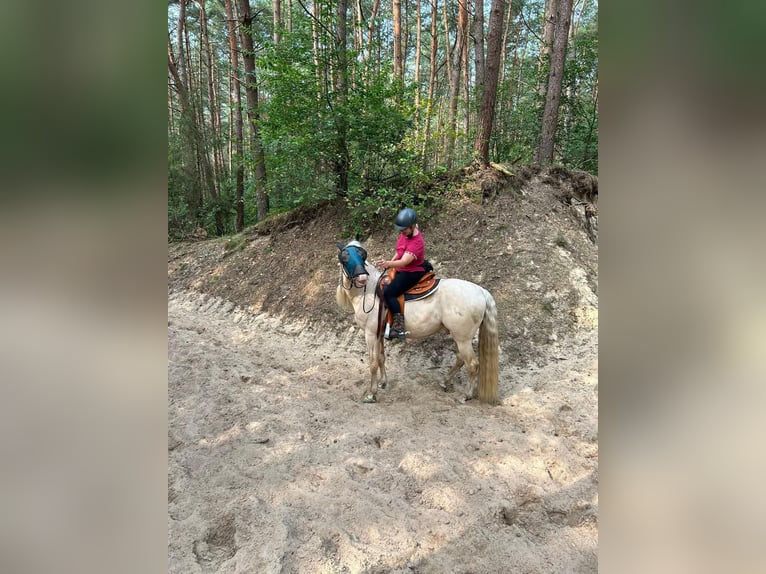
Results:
[364, 296]
[377, 288]
[352, 284]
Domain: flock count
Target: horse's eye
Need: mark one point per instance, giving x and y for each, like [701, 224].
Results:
[343, 256]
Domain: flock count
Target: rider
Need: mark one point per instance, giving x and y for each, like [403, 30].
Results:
[408, 262]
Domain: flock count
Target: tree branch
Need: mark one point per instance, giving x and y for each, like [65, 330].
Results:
[528, 27]
[318, 21]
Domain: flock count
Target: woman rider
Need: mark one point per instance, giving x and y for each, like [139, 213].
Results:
[408, 262]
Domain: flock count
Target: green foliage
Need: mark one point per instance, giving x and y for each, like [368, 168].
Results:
[298, 128]
[371, 207]
[304, 134]
[236, 243]
[180, 224]
[378, 124]
[517, 135]
[223, 206]
[310, 130]
[376, 208]
[180, 219]
[578, 125]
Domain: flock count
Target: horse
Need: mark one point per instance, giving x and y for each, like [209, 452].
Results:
[458, 307]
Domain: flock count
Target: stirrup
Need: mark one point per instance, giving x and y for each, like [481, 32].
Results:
[390, 335]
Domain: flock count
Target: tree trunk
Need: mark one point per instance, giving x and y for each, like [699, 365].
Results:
[431, 78]
[447, 44]
[576, 22]
[418, 40]
[520, 76]
[461, 35]
[453, 58]
[478, 46]
[277, 7]
[553, 95]
[290, 16]
[237, 98]
[371, 28]
[213, 168]
[171, 111]
[188, 138]
[546, 44]
[358, 27]
[180, 42]
[591, 127]
[506, 31]
[489, 97]
[398, 62]
[342, 158]
[251, 91]
[405, 35]
[315, 15]
[466, 89]
[196, 160]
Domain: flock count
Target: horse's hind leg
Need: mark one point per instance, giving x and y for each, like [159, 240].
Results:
[467, 356]
[446, 384]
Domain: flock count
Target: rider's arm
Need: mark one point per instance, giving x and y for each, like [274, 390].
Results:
[406, 259]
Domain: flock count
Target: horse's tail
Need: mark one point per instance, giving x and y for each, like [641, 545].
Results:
[488, 353]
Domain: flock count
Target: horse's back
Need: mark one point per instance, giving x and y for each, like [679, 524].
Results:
[457, 305]
[463, 295]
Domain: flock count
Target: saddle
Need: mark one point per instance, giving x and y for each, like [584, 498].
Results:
[426, 287]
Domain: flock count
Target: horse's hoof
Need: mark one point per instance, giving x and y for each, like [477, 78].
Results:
[447, 387]
[370, 399]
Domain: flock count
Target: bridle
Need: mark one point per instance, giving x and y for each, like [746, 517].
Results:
[352, 281]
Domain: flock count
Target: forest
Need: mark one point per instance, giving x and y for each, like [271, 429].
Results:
[278, 105]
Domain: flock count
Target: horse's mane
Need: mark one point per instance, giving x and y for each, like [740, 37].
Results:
[343, 298]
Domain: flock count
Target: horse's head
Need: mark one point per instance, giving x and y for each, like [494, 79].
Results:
[352, 257]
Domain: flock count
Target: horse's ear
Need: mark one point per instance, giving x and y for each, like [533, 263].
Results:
[356, 236]
[340, 245]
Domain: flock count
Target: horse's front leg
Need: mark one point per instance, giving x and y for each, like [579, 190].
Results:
[373, 354]
[382, 364]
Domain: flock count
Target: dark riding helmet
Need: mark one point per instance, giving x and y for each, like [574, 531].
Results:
[406, 218]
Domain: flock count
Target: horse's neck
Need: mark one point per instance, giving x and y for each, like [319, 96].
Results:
[372, 279]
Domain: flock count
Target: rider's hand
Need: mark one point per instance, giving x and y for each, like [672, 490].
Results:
[381, 263]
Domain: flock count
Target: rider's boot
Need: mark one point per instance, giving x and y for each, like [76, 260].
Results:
[397, 329]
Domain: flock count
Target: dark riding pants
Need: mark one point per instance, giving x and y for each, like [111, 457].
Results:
[403, 281]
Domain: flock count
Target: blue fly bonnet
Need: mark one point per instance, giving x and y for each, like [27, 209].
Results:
[352, 258]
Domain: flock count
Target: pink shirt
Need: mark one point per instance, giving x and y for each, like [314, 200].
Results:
[414, 245]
